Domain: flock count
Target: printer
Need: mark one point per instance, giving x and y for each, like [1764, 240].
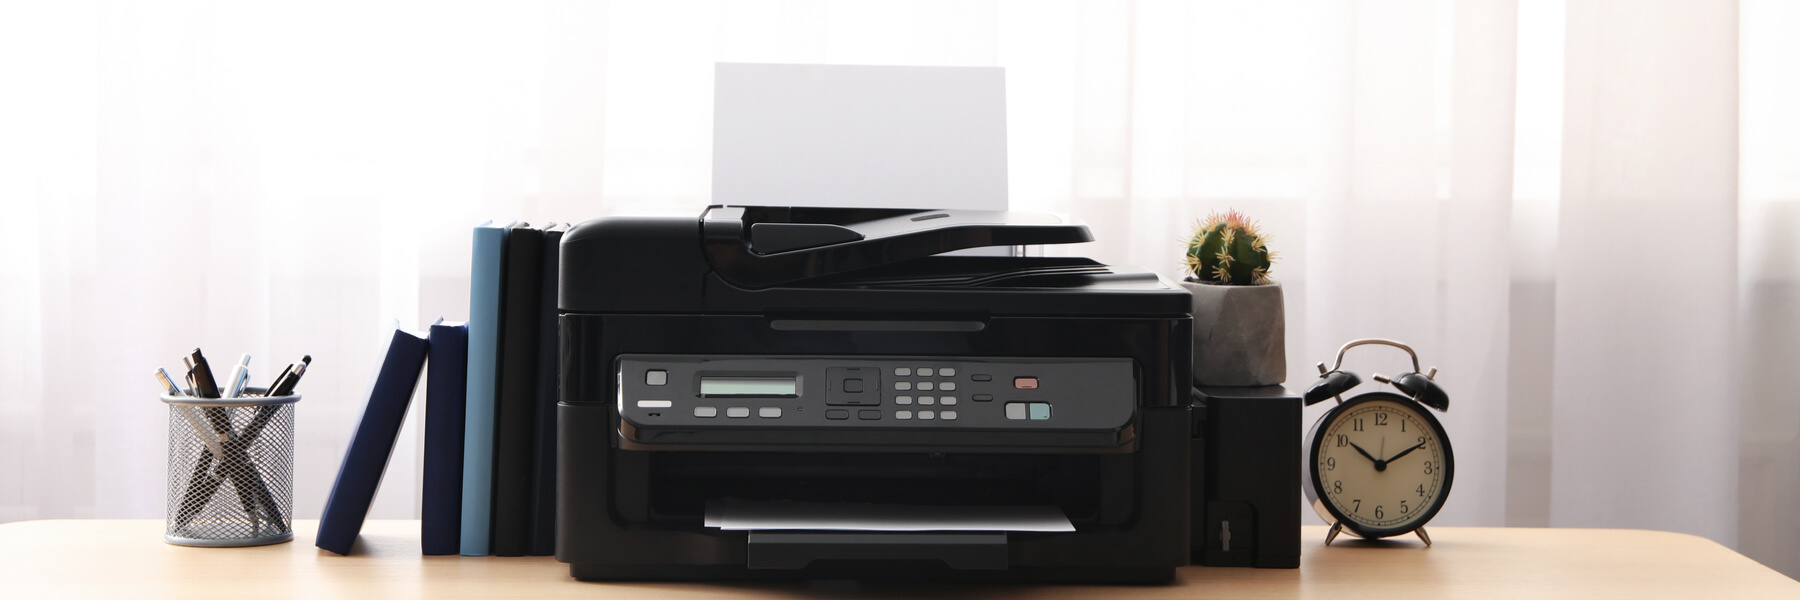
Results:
[821, 359]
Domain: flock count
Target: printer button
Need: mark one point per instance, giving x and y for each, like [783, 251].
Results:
[1025, 383]
[738, 412]
[657, 377]
[837, 414]
[903, 415]
[925, 385]
[927, 400]
[1017, 411]
[902, 371]
[981, 377]
[924, 371]
[947, 386]
[869, 415]
[984, 397]
[853, 385]
[706, 412]
[769, 412]
[1040, 411]
[903, 385]
[947, 372]
[947, 400]
[925, 414]
[902, 399]
[948, 415]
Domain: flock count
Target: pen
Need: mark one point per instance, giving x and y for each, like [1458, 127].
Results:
[200, 487]
[200, 375]
[162, 377]
[240, 376]
[286, 385]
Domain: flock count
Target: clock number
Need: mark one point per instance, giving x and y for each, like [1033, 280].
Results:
[1403, 508]
[1343, 440]
[1357, 426]
[1428, 467]
[1421, 439]
[1378, 511]
[1331, 464]
[1356, 505]
[1421, 490]
[1337, 487]
[1381, 419]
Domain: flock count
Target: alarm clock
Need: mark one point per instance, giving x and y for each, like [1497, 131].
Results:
[1380, 464]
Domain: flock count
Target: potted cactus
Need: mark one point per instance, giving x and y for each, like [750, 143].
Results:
[1239, 325]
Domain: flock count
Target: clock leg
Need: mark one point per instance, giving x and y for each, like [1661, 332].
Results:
[1422, 536]
[1332, 535]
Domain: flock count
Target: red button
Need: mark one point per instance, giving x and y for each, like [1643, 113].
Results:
[1025, 383]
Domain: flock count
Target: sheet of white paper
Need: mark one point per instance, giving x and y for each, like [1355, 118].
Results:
[859, 136]
[764, 516]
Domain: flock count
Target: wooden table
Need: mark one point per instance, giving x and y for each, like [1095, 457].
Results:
[128, 559]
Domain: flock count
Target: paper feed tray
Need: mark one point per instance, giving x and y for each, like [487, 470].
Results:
[794, 535]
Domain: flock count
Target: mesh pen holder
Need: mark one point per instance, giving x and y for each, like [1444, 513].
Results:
[231, 470]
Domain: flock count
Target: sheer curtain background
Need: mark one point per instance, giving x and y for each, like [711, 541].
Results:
[1583, 212]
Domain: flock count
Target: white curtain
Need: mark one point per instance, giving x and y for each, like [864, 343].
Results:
[1583, 213]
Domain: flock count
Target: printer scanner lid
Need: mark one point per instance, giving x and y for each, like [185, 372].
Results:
[762, 258]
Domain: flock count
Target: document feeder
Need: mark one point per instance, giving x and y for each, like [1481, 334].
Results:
[783, 355]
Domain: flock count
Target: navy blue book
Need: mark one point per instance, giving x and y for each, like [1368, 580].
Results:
[372, 443]
[446, 387]
[543, 480]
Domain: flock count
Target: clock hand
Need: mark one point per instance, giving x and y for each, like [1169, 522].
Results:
[1365, 453]
[1404, 452]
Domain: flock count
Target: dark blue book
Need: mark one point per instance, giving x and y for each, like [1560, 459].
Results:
[543, 492]
[372, 443]
[446, 384]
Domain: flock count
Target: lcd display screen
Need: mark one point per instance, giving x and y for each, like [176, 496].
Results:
[749, 386]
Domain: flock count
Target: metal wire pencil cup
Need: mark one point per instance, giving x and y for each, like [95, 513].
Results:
[231, 470]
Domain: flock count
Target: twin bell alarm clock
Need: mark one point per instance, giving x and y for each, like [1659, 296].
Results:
[1380, 464]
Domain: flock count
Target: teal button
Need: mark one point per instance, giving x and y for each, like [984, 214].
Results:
[1040, 411]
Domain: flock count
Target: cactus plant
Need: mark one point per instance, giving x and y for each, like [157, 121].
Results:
[1229, 249]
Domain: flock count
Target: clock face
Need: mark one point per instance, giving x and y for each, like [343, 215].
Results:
[1380, 464]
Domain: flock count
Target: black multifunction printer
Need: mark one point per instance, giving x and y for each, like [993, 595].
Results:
[836, 357]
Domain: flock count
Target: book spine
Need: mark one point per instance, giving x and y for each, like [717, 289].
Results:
[543, 501]
[446, 401]
[485, 298]
[513, 447]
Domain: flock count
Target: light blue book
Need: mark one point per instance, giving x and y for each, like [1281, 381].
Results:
[485, 287]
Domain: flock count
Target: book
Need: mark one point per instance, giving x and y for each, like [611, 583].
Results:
[543, 477]
[372, 442]
[446, 400]
[486, 280]
[516, 423]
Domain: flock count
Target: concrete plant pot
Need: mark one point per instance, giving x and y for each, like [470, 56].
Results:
[1240, 334]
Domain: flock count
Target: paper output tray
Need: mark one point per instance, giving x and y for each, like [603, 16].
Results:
[960, 550]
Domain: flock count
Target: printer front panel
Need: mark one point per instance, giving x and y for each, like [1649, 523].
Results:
[632, 509]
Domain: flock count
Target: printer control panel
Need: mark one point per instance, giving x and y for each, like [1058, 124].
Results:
[660, 391]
